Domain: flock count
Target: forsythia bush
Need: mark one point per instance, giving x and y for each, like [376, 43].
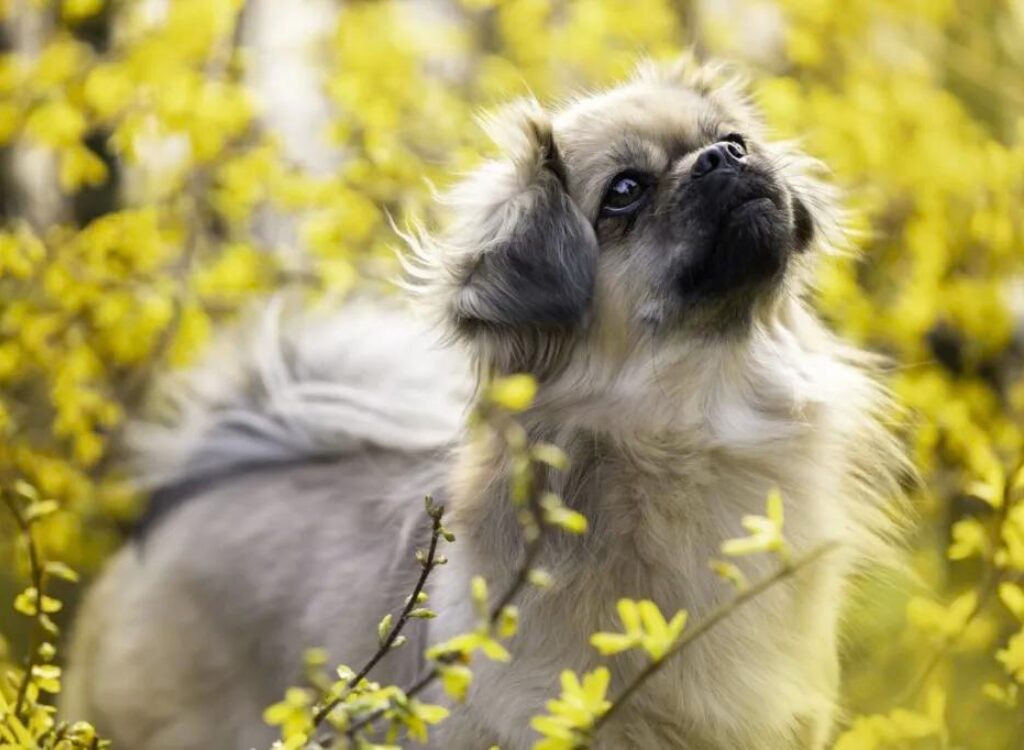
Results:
[144, 199]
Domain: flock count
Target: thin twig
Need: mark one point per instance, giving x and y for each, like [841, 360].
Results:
[427, 566]
[709, 622]
[522, 577]
[535, 530]
[519, 581]
[36, 571]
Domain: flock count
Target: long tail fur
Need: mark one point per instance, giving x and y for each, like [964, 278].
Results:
[302, 385]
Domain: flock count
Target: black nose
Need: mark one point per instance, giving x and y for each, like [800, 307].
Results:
[719, 157]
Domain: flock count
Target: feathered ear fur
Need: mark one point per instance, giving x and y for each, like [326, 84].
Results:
[518, 259]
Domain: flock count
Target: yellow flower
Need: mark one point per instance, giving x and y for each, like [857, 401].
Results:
[898, 727]
[293, 714]
[765, 532]
[571, 716]
[80, 166]
[645, 627]
[1007, 696]
[969, 540]
[942, 623]
[456, 679]
[56, 123]
[420, 716]
[1012, 595]
[468, 643]
[1012, 657]
[514, 393]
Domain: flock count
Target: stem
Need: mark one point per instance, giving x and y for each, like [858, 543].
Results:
[427, 567]
[521, 578]
[519, 581]
[537, 528]
[36, 569]
[709, 622]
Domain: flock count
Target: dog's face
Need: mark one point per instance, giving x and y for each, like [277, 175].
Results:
[653, 212]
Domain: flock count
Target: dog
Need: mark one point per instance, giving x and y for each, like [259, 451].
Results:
[645, 254]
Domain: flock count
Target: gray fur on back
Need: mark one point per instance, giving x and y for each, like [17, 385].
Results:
[303, 445]
[284, 386]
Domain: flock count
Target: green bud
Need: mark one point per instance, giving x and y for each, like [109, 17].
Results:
[384, 628]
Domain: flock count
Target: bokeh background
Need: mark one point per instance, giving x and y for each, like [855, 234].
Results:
[164, 163]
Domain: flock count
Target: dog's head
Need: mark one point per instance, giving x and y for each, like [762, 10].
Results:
[656, 211]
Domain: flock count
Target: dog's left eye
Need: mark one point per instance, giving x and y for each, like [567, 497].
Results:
[736, 138]
[625, 194]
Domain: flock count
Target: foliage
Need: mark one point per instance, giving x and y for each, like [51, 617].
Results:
[139, 176]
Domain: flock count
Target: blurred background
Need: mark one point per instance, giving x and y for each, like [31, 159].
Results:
[164, 163]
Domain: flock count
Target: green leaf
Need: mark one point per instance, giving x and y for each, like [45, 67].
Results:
[384, 628]
[41, 509]
[60, 570]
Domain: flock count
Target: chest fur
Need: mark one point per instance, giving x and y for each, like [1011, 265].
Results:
[658, 510]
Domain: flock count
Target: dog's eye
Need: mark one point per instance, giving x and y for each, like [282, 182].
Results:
[736, 138]
[625, 194]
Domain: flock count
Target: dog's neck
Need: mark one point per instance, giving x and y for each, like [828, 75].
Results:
[728, 391]
[662, 448]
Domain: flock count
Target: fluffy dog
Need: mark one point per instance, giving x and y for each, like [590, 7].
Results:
[643, 252]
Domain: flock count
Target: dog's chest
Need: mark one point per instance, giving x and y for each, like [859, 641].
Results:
[660, 509]
[652, 536]
[657, 513]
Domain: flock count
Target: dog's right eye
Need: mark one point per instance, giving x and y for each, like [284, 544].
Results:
[625, 194]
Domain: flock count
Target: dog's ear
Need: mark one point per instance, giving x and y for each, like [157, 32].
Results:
[518, 251]
[538, 258]
[513, 271]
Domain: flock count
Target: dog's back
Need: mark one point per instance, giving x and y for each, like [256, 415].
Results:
[292, 464]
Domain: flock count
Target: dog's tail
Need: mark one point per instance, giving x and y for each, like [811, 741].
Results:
[286, 386]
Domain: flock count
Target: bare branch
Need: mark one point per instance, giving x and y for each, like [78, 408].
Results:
[428, 564]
